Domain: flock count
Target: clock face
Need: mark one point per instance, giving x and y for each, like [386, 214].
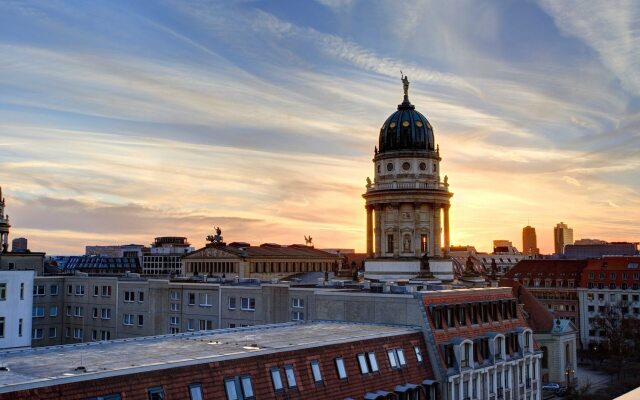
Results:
[406, 166]
[423, 166]
[390, 167]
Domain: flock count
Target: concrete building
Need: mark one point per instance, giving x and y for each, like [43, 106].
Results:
[314, 360]
[584, 250]
[19, 245]
[15, 308]
[530, 241]
[610, 288]
[562, 236]
[165, 256]
[407, 202]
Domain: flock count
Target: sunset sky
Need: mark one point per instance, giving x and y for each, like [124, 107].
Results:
[125, 120]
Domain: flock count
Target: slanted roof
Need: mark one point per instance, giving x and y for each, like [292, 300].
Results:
[266, 251]
[539, 318]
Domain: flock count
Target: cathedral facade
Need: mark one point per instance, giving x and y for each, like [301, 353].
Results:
[407, 202]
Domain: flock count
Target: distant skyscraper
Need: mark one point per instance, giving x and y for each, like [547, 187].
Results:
[562, 235]
[19, 245]
[529, 241]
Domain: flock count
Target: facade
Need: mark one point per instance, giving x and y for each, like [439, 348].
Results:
[19, 245]
[483, 347]
[15, 308]
[165, 256]
[554, 283]
[610, 288]
[598, 250]
[268, 261]
[407, 202]
[293, 361]
[530, 241]
[562, 236]
[100, 265]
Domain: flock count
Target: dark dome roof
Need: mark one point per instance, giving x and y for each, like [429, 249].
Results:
[406, 129]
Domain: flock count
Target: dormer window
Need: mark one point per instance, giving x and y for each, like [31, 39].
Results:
[499, 344]
[465, 355]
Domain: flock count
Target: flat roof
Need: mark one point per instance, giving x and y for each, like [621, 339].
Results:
[47, 366]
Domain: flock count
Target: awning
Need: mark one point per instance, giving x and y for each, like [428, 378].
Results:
[405, 387]
[429, 382]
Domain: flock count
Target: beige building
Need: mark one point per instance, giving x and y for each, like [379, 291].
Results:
[562, 236]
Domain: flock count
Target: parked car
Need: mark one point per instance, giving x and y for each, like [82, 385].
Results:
[551, 387]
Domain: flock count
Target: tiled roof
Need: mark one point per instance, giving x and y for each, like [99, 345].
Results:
[539, 318]
[546, 269]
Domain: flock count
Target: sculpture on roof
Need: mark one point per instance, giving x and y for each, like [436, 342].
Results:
[217, 238]
[405, 83]
[308, 240]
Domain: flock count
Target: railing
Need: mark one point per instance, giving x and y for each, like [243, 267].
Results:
[406, 185]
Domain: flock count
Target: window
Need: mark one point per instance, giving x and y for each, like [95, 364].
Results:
[52, 332]
[53, 311]
[389, 243]
[140, 297]
[105, 335]
[129, 296]
[174, 320]
[239, 388]
[590, 296]
[20, 327]
[191, 324]
[297, 316]
[175, 307]
[77, 311]
[94, 312]
[106, 291]
[192, 299]
[3, 291]
[276, 379]
[297, 303]
[22, 291]
[1, 326]
[195, 392]
[418, 354]
[175, 295]
[105, 313]
[37, 334]
[38, 312]
[114, 396]
[53, 290]
[362, 362]
[79, 290]
[205, 300]
[373, 362]
[38, 290]
[498, 347]
[315, 370]
[232, 303]
[127, 319]
[396, 358]
[155, 393]
[77, 333]
[247, 303]
[342, 372]
[140, 320]
[206, 325]
[69, 289]
[96, 290]
[465, 352]
[291, 376]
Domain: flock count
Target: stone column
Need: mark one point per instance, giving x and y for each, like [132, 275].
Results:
[378, 231]
[417, 237]
[446, 230]
[397, 240]
[369, 231]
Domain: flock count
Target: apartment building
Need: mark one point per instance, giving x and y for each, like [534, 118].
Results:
[15, 308]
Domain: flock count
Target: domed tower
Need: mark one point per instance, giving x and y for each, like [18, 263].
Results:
[407, 198]
[4, 227]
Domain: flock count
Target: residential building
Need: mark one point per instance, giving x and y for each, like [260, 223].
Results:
[15, 308]
[530, 241]
[610, 288]
[309, 360]
[562, 236]
[408, 201]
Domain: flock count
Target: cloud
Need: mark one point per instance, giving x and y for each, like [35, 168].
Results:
[571, 181]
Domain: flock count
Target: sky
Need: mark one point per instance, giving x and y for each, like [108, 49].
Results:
[121, 121]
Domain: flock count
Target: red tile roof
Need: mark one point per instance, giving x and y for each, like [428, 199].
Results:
[539, 318]
[606, 265]
[545, 269]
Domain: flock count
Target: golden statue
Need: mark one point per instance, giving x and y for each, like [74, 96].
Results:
[405, 83]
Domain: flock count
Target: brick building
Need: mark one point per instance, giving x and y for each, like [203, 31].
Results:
[313, 360]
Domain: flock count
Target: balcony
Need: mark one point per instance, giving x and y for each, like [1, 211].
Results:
[380, 186]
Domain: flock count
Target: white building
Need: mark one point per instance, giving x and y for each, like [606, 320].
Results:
[16, 308]
[165, 256]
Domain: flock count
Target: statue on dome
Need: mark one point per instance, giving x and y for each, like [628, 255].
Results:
[446, 180]
[368, 181]
[405, 83]
[217, 238]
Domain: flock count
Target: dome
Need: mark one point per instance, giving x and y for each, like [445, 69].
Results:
[406, 129]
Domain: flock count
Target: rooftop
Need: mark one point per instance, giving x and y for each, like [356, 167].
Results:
[46, 366]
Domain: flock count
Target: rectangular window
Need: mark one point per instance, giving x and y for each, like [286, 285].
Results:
[401, 359]
[342, 371]
[192, 299]
[232, 303]
[77, 311]
[247, 303]
[276, 379]
[140, 297]
[297, 303]
[129, 296]
[106, 291]
[315, 370]
[38, 290]
[191, 324]
[105, 313]
[418, 354]
[373, 362]
[393, 361]
[140, 320]
[79, 290]
[155, 393]
[20, 327]
[175, 295]
[53, 290]
[96, 290]
[362, 362]
[195, 392]
[38, 312]
[389, 243]
[69, 289]
[36, 333]
[297, 316]
[230, 389]
[3, 291]
[105, 335]
[53, 311]
[22, 291]
[205, 300]
[94, 312]
[175, 307]
[1, 326]
[77, 333]
[52, 332]
[127, 319]
[174, 320]
[291, 376]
